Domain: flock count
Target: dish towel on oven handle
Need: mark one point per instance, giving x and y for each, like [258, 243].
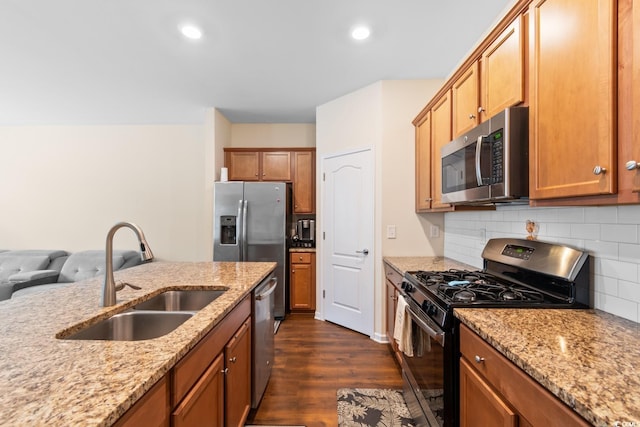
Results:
[402, 331]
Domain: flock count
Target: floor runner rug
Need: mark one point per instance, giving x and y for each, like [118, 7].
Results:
[372, 407]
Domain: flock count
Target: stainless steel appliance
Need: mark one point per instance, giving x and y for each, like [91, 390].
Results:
[251, 220]
[490, 163]
[516, 273]
[305, 235]
[262, 348]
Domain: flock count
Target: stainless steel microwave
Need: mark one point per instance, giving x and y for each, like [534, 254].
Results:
[490, 163]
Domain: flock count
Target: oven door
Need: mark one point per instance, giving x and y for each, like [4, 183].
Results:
[424, 374]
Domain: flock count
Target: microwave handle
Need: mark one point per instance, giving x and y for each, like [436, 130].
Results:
[478, 152]
[479, 178]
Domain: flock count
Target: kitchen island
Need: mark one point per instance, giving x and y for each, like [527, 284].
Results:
[56, 382]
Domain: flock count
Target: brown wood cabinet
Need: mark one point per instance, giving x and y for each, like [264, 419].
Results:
[440, 135]
[465, 94]
[502, 69]
[253, 165]
[304, 183]
[423, 163]
[296, 165]
[573, 91]
[207, 386]
[237, 384]
[302, 290]
[151, 410]
[630, 148]
[495, 392]
[393, 280]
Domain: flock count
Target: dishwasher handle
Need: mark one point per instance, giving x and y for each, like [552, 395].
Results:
[272, 288]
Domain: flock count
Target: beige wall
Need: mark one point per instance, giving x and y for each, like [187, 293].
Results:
[273, 135]
[65, 186]
[379, 117]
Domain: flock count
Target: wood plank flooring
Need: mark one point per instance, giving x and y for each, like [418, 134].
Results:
[313, 360]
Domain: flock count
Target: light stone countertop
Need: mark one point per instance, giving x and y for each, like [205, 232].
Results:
[588, 358]
[426, 263]
[45, 381]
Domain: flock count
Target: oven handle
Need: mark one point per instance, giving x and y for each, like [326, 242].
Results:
[437, 336]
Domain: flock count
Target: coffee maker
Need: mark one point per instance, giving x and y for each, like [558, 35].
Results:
[305, 236]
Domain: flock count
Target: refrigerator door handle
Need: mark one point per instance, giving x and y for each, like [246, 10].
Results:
[244, 249]
[240, 225]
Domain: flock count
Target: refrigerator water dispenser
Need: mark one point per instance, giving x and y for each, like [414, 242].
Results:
[228, 230]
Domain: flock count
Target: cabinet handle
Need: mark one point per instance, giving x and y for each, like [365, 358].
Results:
[233, 359]
[632, 165]
[428, 200]
[480, 109]
[472, 116]
[479, 359]
[293, 272]
[225, 371]
[599, 170]
[256, 174]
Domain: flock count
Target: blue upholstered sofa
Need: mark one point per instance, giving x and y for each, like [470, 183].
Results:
[28, 271]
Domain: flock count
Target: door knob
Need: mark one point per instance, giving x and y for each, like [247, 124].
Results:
[632, 165]
[364, 251]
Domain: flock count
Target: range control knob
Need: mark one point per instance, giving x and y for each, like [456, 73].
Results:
[408, 287]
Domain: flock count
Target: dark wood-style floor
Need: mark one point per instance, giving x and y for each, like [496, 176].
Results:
[313, 360]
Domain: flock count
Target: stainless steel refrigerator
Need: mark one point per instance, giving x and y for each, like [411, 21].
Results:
[251, 223]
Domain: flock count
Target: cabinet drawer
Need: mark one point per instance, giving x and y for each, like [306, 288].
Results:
[300, 258]
[532, 401]
[392, 275]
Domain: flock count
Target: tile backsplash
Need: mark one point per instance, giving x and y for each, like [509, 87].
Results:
[610, 234]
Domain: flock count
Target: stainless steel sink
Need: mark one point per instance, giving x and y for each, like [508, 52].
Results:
[133, 326]
[182, 300]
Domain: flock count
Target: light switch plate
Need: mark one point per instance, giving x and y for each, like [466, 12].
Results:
[434, 231]
[391, 231]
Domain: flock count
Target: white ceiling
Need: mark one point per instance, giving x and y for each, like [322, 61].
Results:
[124, 61]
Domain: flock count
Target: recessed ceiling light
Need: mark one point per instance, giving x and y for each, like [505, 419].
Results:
[191, 32]
[360, 33]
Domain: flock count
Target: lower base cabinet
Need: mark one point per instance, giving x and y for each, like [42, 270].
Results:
[495, 392]
[302, 281]
[209, 386]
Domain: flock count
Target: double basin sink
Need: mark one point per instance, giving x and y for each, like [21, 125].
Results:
[149, 319]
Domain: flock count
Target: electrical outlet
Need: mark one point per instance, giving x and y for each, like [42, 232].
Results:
[434, 231]
[391, 231]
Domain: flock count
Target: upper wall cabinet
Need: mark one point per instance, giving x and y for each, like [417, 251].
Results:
[502, 71]
[423, 163]
[296, 165]
[631, 154]
[573, 104]
[252, 165]
[440, 135]
[465, 100]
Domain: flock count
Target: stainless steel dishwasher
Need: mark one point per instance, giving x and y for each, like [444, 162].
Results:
[263, 333]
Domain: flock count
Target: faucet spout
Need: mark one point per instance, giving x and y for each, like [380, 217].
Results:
[109, 286]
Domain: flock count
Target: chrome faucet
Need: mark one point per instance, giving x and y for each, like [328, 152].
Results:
[109, 287]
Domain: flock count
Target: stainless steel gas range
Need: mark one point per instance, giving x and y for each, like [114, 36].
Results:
[516, 273]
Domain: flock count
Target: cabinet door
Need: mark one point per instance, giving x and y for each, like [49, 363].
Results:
[243, 165]
[238, 376]
[151, 410]
[304, 182]
[423, 164]
[502, 71]
[634, 157]
[465, 101]
[479, 404]
[276, 166]
[204, 404]
[440, 135]
[392, 304]
[302, 283]
[572, 110]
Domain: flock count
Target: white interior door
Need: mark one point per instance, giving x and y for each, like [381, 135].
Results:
[347, 249]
